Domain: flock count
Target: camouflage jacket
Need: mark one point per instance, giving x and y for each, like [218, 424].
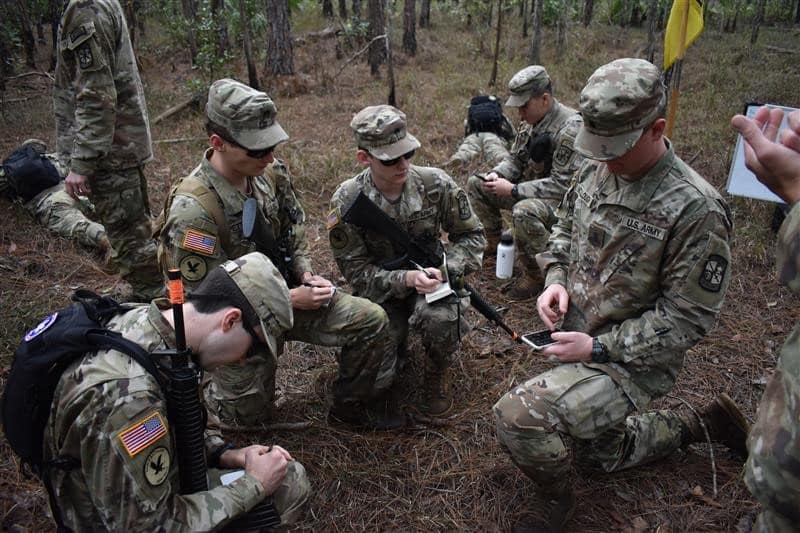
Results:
[773, 465]
[190, 238]
[111, 415]
[645, 264]
[487, 146]
[101, 116]
[430, 204]
[549, 178]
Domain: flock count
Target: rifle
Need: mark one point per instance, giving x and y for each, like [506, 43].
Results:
[256, 229]
[363, 212]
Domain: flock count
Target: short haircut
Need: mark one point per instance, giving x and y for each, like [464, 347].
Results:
[548, 89]
[212, 128]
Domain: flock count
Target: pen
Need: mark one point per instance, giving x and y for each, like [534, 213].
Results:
[419, 267]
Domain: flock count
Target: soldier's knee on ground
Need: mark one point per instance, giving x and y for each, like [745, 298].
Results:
[293, 493]
[240, 394]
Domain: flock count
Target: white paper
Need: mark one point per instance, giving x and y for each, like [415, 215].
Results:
[230, 477]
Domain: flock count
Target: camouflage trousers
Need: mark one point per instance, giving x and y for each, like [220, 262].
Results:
[243, 393]
[772, 472]
[291, 495]
[61, 213]
[533, 219]
[576, 410]
[121, 203]
[441, 325]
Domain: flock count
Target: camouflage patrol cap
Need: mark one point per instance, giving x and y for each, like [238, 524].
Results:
[264, 297]
[619, 100]
[381, 130]
[248, 114]
[525, 83]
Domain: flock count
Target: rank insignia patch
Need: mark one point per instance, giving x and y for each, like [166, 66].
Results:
[199, 242]
[143, 433]
[713, 273]
[85, 59]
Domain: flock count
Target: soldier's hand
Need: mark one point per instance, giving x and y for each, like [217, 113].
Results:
[572, 346]
[776, 164]
[552, 305]
[267, 465]
[77, 185]
[315, 293]
[424, 282]
[498, 186]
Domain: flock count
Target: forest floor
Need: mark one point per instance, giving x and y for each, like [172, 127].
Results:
[449, 474]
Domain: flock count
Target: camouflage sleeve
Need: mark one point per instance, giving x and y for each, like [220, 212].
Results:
[469, 149]
[495, 149]
[86, 50]
[357, 264]
[694, 278]
[134, 486]
[293, 218]
[465, 236]
[189, 241]
[512, 166]
[788, 250]
[565, 162]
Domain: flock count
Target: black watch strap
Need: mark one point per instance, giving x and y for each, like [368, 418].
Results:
[515, 191]
[599, 351]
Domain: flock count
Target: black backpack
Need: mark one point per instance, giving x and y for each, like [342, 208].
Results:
[485, 114]
[39, 361]
[28, 172]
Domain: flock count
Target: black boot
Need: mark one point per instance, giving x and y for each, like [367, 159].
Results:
[725, 424]
[379, 414]
[559, 506]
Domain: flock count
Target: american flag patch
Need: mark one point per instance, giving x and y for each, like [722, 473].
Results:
[143, 433]
[199, 242]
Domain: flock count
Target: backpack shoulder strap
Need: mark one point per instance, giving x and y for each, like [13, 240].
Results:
[191, 186]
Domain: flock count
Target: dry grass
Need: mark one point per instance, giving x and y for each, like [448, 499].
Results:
[451, 474]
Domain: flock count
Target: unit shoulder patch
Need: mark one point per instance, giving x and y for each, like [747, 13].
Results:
[713, 273]
[464, 209]
[156, 466]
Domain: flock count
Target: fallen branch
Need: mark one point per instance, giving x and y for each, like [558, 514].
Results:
[32, 73]
[382, 36]
[277, 426]
[176, 109]
[781, 50]
[179, 140]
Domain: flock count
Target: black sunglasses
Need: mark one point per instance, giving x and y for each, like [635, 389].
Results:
[393, 162]
[255, 154]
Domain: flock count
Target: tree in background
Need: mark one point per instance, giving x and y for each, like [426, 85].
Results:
[327, 9]
[280, 55]
[588, 12]
[218, 13]
[536, 40]
[343, 9]
[410, 27]
[425, 14]
[377, 25]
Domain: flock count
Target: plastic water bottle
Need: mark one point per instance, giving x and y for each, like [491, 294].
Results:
[505, 256]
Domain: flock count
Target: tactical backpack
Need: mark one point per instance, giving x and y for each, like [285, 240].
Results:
[485, 114]
[28, 172]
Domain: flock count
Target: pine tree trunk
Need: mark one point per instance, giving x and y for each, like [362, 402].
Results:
[392, 96]
[797, 13]
[252, 73]
[493, 77]
[190, 14]
[536, 41]
[343, 9]
[588, 12]
[410, 27]
[523, 14]
[54, 13]
[652, 20]
[757, 21]
[28, 40]
[357, 9]
[327, 9]
[561, 29]
[377, 24]
[425, 14]
[280, 57]
[223, 40]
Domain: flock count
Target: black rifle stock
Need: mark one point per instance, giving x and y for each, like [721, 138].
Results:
[363, 212]
[255, 228]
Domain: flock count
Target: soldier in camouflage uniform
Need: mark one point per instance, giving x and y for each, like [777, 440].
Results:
[199, 234]
[637, 267]
[425, 202]
[58, 211]
[772, 472]
[103, 135]
[484, 142]
[102, 398]
[532, 180]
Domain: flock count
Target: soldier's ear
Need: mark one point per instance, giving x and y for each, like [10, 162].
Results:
[217, 142]
[363, 157]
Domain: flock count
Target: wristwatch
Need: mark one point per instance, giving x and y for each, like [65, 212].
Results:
[515, 191]
[599, 351]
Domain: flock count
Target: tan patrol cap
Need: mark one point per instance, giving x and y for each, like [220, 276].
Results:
[381, 130]
[525, 83]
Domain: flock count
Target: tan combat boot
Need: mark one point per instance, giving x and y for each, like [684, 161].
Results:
[724, 421]
[436, 400]
[553, 516]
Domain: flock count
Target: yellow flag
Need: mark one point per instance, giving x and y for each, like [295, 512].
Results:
[672, 36]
